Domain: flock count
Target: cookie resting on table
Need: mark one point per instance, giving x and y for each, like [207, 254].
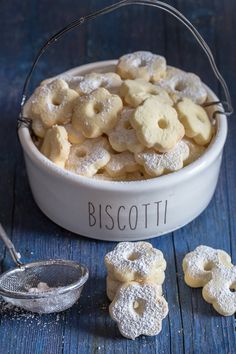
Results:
[198, 265]
[138, 310]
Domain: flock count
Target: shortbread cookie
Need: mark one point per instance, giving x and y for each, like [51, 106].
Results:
[220, 291]
[136, 261]
[53, 103]
[195, 120]
[74, 136]
[56, 146]
[112, 286]
[157, 125]
[123, 136]
[180, 84]
[138, 310]
[87, 158]
[156, 164]
[198, 265]
[96, 113]
[90, 82]
[195, 151]
[137, 91]
[122, 163]
[143, 65]
[38, 127]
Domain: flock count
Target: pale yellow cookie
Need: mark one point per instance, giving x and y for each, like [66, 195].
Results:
[53, 103]
[123, 136]
[138, 309]
[120, 164]
[220, 291]
[112, 286]
[157, 125]
[96, 113]
[156, 164]
[195, 120]
[56, 146]
[143, 65]
[180, 84]
[38, 127]
[137, 91]
[89, 157]
[198, 265]
[136, 261]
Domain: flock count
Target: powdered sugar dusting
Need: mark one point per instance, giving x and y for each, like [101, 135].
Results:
[146, 318]
[199, 263]
[218, 290]
[184, 84]
[144, 59]
[172, 160]
[145, 258]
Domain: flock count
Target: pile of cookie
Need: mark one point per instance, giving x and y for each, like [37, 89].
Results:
[136, 272]
[212, 270]
[145, 120]
[134, 285]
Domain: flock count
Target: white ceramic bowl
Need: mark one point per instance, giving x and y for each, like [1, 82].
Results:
[117, 211]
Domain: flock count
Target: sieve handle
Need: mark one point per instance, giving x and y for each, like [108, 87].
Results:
[226, 103]
[9, 245]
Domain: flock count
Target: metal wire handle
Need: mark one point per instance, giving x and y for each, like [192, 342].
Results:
[11, 248]
[227, 103]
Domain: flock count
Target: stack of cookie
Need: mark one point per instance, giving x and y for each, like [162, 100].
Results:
[212, 270]
[145, 120]
[134, 285]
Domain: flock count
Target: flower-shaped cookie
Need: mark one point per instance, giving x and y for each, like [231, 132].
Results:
[138, 309]
[56, 146]
[180, 84]
[89, 157]
[157, 125]
[123, 136]
[135, 261]
[195, 121]
[143, 65]
[137, 91]
[156, 164]
[220, 291]
[199, 264]
[96, 113]
[53, 102]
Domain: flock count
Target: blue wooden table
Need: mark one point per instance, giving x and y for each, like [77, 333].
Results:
[192, 325]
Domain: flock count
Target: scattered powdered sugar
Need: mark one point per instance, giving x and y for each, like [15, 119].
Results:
[172, 160]
[137, 257]
[138, 309]
[9, 312]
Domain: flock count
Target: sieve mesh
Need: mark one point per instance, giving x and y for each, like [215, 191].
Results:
[64, 278]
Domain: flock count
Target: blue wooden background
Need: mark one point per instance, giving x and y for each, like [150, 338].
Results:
[192, 325]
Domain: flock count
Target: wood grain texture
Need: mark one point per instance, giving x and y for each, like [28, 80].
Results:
[192, 325]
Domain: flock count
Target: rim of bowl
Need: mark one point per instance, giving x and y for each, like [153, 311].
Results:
[211, 153]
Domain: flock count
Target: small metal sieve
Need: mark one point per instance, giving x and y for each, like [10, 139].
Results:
[20, 286]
